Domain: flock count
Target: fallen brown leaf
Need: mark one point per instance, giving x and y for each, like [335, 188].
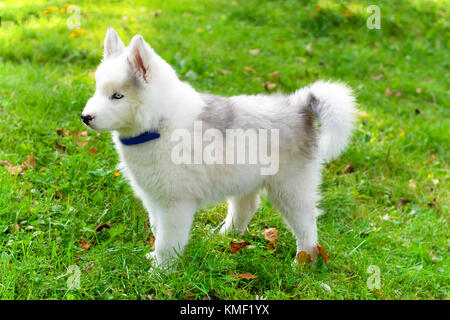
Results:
[433, 203]
[151, 241]
[322, 253]
[58, 194]
[14, 170]
[378, 77]
[254, 52]
[412, 184]
[348, 169]
[15, 228]
[432, 157]
[309, 48]
[81, 143]
[62, 132]
[388, 92]
[224, 71]
[84, 245]
[401, 202]
[269, 85]
[303, 257]
[59, 147]
[24, 166]
[271, 234]
[248, 69]
[5, 163]
[32, 160]
[274, 74]
[236, 246]
[247, 276]
[93, 150]
[347, 12]
[189, 295]
[214, 295]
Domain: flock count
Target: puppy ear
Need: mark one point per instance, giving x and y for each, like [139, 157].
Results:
[112, 43]
[139, 56]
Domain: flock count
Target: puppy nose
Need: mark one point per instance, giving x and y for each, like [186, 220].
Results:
[86, 118]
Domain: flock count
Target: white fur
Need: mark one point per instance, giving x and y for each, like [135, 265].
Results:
[172, 193]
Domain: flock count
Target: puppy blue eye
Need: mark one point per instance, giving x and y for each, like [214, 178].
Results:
[117, 96]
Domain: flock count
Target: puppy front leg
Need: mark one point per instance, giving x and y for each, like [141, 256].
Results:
[174, 225]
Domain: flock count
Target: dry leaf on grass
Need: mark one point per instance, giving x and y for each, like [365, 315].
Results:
[248, 69]
[269, 85]
[59, 147]
[214, 295]
[62, 132]
[274, 74]
[14, 170]
[5, 163]
[271, 234]
[322, 253]
[32, 160]
[82, 143]
[347, 12]
[433, 203]
[247, 276]
[303, 257]
[224, 71]
[93, 150]
[14, 228]
[378, 77]
[189, 295]
[84, 245]
[401, 202]
[236, 246]
[348, 169]
[388, 92]
[58, 194]
[254, 52]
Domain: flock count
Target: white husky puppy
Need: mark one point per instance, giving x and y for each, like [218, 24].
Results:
[142, 101]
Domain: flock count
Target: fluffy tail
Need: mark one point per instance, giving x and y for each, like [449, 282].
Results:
[335, 106]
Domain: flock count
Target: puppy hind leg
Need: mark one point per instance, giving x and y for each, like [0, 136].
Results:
[299, 212]
[240, 211]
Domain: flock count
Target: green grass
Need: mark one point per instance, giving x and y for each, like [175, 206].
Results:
[400, 149]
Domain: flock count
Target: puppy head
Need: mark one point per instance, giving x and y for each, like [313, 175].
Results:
[122, 86]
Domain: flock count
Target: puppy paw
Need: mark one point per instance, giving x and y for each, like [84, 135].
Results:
[151, 256]
[310, 255]
[229, 229]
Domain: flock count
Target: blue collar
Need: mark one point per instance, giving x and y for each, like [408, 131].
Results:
[143, 137]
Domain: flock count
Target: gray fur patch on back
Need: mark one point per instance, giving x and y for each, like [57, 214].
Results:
[297, 123]
[218, 113]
